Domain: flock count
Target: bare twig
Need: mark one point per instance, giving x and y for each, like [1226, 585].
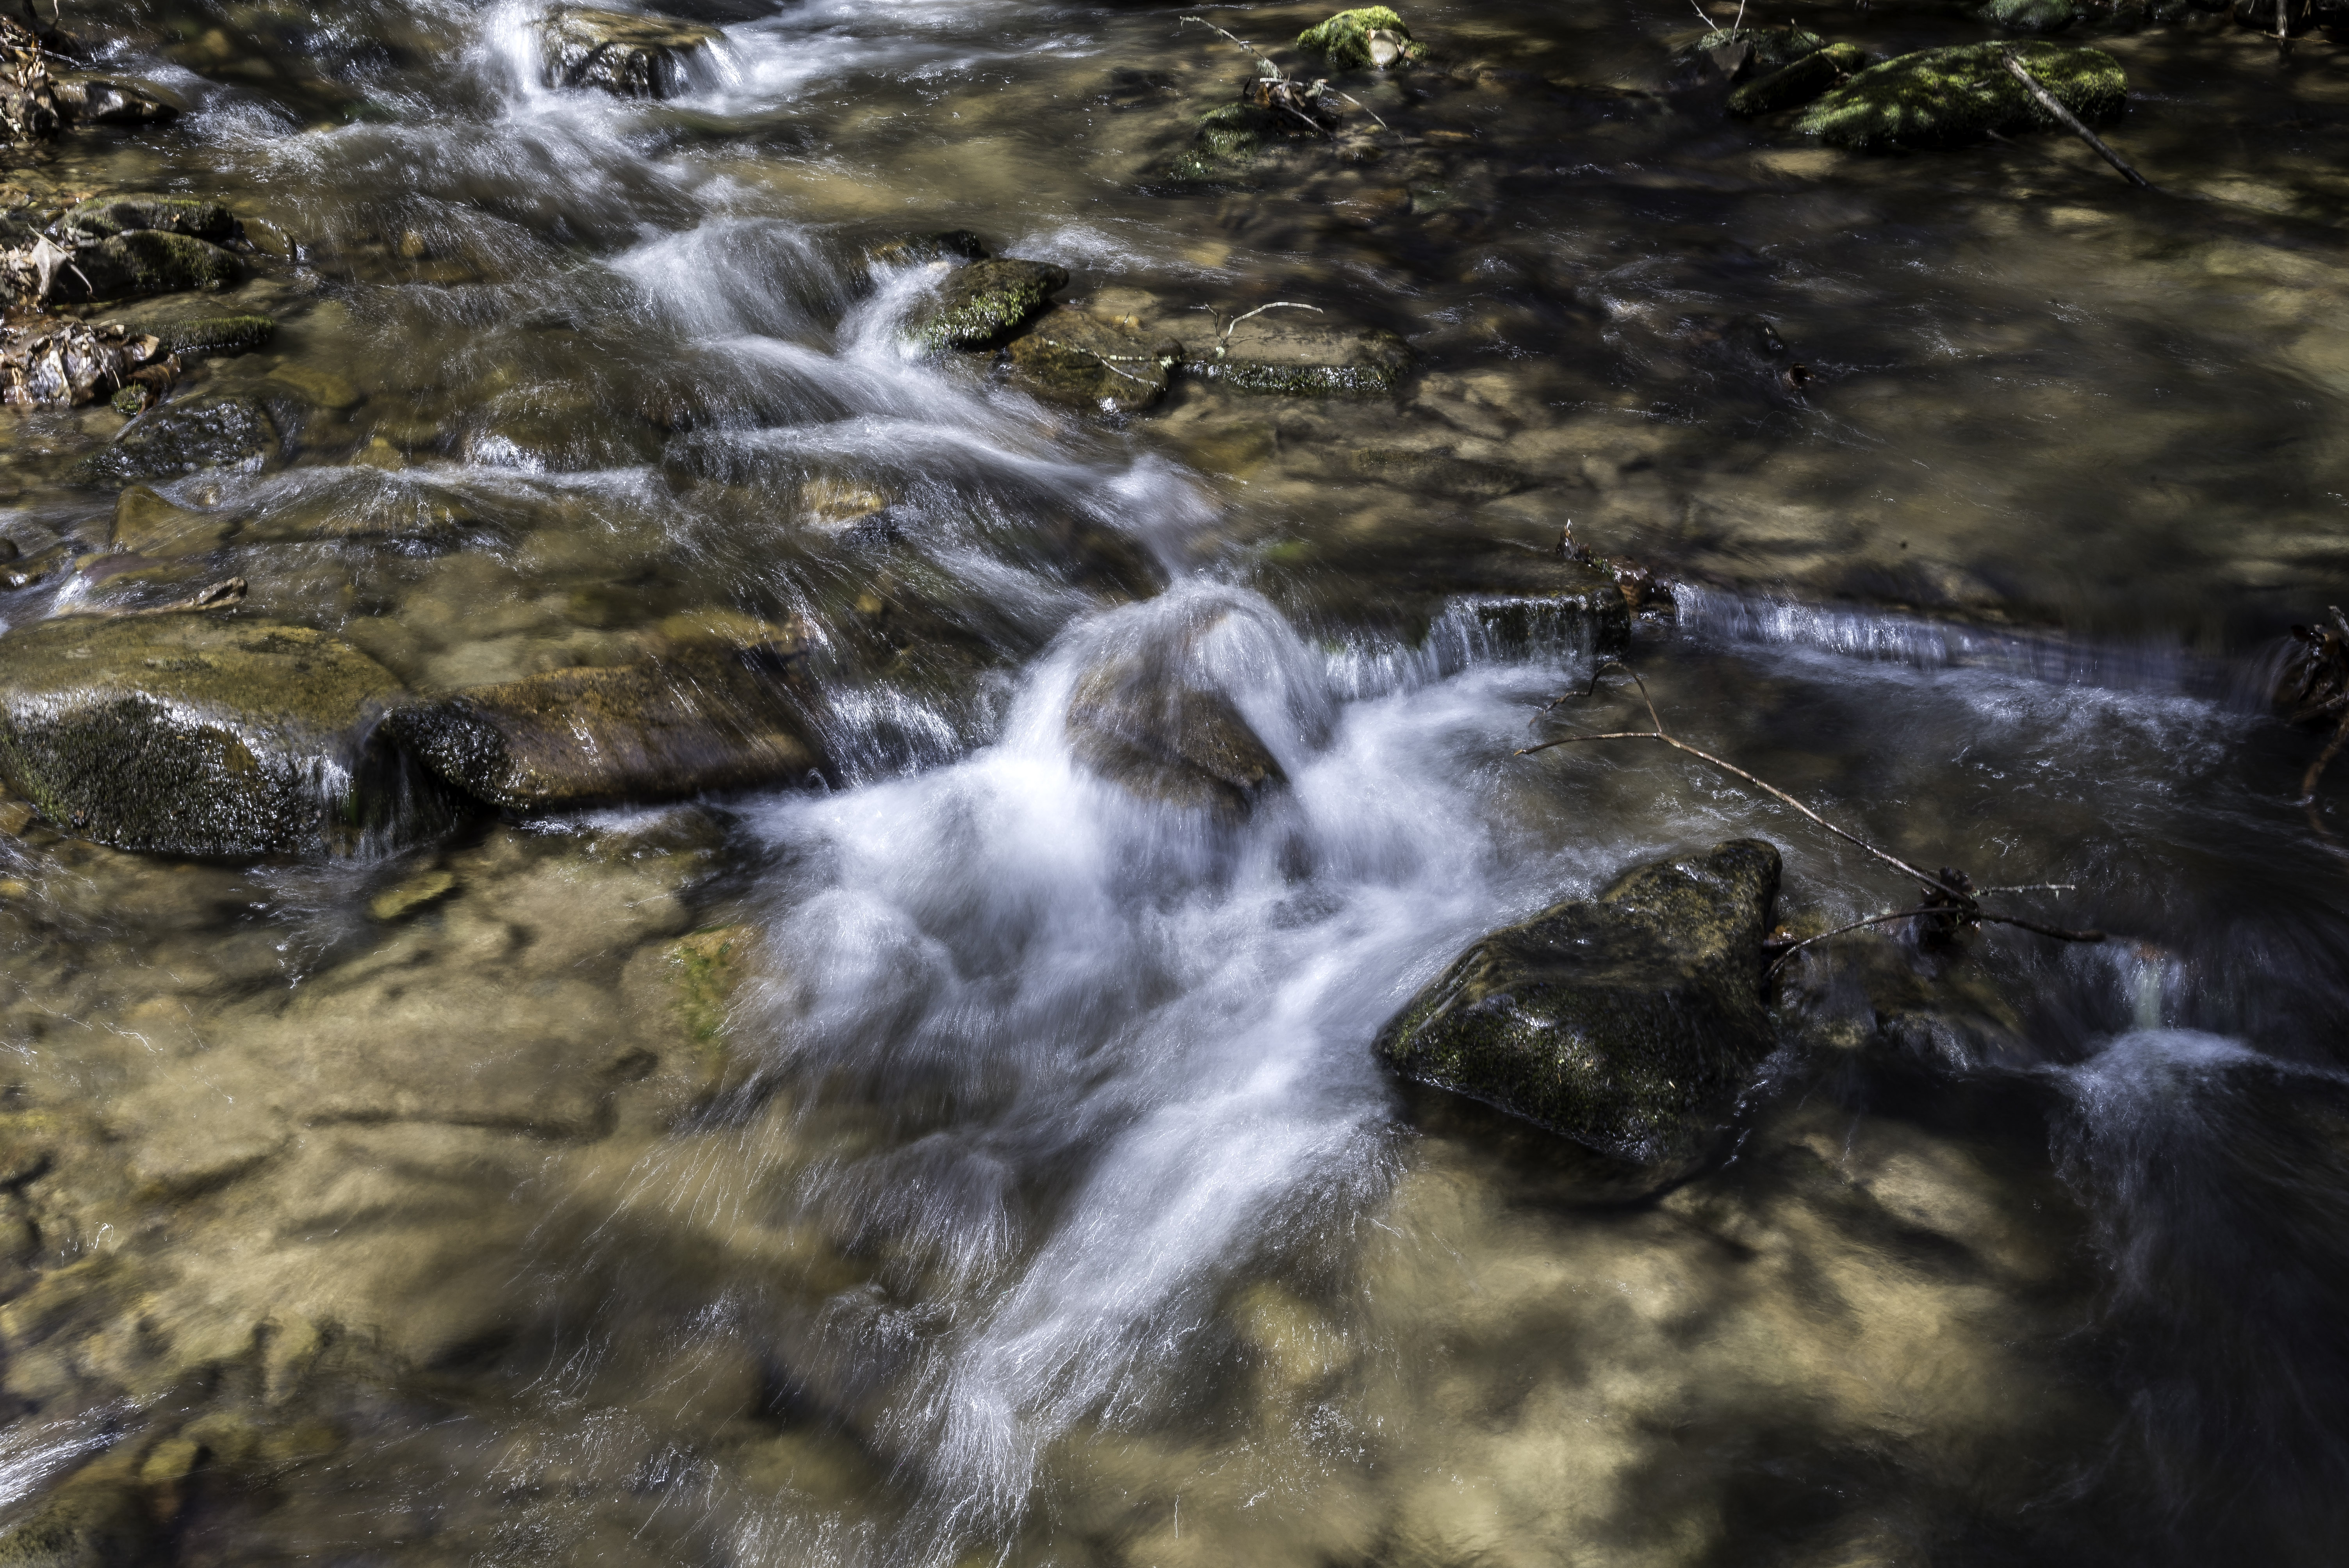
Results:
[2071, 121]
[1270, 69]
[1224, 338]
[1889, 915]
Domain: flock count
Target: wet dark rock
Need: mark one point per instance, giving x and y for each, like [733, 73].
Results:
[1226, 141]
[103, 217]
[1798, 84]
[1946, 98]
[937, 245]
[86, 98]
[193, 735]
[1527, 601]
[657, 730]
[1076, 359]
[145, 261]
[1297, 354]
[99, 1519]
[221, 334]
[985, 303]
[1136, 721]
[629, 53]
[1628, 1023]
[2031, 16]
[1740, 52]
[181, 438]
[1370, 38]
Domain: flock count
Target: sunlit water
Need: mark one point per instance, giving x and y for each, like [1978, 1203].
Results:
[1050, 1208]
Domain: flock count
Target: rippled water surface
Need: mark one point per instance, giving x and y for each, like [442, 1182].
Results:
[963, 1159]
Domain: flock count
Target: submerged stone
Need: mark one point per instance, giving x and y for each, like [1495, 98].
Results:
[657, 730]
[1798, 84]
[1373, 35]
[102, 217]
[1297, 355]
[1134, 721]
[145, 261]
[629, 54]
[1628, 1023]
[984, 303]
[185, 734]
[1076, 359]
[1945, 98]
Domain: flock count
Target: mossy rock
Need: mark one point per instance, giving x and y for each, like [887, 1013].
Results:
[102, 217]
[216, 335]
[2031, 16]
[1346, 40]
[1947, 98]
[89, 1521]
[629, 54]
[985, 303]
[1077, 359]
[193, 735]
[1770, 48]
[183, 438]
[658, 730]
[1297, 355]
[1227, 140]
[1798, 84]
[146, 261]
[1628, 1023]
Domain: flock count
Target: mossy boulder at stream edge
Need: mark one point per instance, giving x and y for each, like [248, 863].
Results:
[1352, 40]
[657, 730]
[984, 303]
[103, 217]
[1076, 359]
[146, 261]
[1628, 1023]
[191, 735]
[1947, 98]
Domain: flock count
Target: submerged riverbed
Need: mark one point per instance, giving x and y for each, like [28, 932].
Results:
[963, 1144]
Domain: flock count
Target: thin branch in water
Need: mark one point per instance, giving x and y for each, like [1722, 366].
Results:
[1861, 924]
[2071, 121]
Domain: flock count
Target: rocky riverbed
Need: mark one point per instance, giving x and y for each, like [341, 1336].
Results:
[777, 790]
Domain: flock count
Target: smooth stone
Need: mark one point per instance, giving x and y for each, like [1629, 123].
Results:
[1946, 98]
[146, 261]
[1628, 1023]
[193, 735]
[1295, 354]
[321, 389]
[147, 522]
[1136, 721]
[1075, 358]
[984, 303]
[629, 54]
[657, 730]
[102, 217]
[1798, 84]
[87, 99]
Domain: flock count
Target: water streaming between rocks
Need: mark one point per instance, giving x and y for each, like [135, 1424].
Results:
[961, 1155]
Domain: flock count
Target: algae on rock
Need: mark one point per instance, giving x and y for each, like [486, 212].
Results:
[1946, 98]
[1628, 1023]
[984, 303]
[1352, 40]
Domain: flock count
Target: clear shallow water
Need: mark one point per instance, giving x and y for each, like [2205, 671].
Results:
[1035, 1198]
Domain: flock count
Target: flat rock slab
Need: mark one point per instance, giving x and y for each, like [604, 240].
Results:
[629, 54]
[982, 303]
[1628, 1023]
[1300, 355]
[1529, 601]
[1077, 359]
[102, 217]
[191, 735]
[658, 730]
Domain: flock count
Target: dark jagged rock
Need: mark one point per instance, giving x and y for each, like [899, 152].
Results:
[1946, 98]
[1297, 355]
[1138, 721]
[67, 363]
[1628, 1023]
[103, 217]
[1798, 84]
[629, 54]
[191, 735]
[1076, 359]
[86, 98]
[985, 303]
[181, 438]
[657, 730]
[145, 261]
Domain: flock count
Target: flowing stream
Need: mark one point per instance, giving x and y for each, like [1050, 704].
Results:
[964, 1159]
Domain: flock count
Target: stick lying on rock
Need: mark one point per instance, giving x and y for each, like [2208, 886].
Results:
[1951, 902]
[2072, 122]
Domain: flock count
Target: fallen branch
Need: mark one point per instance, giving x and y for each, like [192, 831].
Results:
[1952, 901]
[2072, 122]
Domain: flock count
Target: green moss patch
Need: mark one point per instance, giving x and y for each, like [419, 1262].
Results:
[1947, 98]
[1345, 39]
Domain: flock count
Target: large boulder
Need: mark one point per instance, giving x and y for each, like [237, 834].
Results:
[140, 261]
[629, 54]
[1076, 359]
[657, 730]
[191, 735]
[981, 304]
[1144, 717]
[1370, 36]
[1628, 1023]
[1946, 98]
